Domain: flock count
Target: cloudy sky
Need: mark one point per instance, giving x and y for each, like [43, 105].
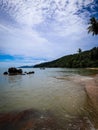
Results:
[34, 31]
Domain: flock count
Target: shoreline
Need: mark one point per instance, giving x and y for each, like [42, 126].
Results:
[90, 84]
[92, 91]
[92, 68]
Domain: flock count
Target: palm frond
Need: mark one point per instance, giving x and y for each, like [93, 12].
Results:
[93, 28]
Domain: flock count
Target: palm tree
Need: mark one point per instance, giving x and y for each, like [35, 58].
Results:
[93, 28]
[79, 50]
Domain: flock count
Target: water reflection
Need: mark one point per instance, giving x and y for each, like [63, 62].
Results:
[15, 80]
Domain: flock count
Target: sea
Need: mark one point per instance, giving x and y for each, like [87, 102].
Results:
[57, 95]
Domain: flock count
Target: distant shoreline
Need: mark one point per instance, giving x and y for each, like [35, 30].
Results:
[93, 68]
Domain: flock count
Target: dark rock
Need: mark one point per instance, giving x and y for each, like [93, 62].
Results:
[31, 72]
[28, 120]
[5, 73]
[33, 119]
[14, 71]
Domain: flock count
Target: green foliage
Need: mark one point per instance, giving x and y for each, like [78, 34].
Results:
[79, 50]
[81, 60]
[93, 28]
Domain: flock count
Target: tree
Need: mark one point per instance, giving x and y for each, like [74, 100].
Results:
[79, 50]
[93, 28]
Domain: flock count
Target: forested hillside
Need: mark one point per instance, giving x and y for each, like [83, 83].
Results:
[84, 59]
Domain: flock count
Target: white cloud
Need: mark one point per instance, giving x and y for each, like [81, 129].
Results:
[33, 12]
[45, 28]
[27, 43]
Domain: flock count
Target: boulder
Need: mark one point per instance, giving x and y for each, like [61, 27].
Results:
[14, 71]
[5, 73]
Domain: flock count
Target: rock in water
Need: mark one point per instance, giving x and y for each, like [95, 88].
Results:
[5, 73]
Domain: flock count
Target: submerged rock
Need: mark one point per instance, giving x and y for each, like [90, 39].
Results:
[31, 72]
[33, 119]
[28, 120]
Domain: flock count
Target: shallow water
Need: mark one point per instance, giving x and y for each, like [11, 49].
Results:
[54, 90]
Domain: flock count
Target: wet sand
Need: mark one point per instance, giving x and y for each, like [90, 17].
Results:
[91, 88]
[90, 85]
[92, 91]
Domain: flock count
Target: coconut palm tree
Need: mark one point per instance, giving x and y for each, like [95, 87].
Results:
[93, 28]
[79, 50]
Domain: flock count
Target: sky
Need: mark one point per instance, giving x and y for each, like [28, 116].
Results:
[35, 31]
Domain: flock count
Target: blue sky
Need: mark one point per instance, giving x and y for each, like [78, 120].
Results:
[34, 31]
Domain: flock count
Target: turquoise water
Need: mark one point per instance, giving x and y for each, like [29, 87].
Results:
[51, 89]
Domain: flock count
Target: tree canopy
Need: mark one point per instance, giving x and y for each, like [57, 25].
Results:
[84, 59]
[79, 50]
[93, 28]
